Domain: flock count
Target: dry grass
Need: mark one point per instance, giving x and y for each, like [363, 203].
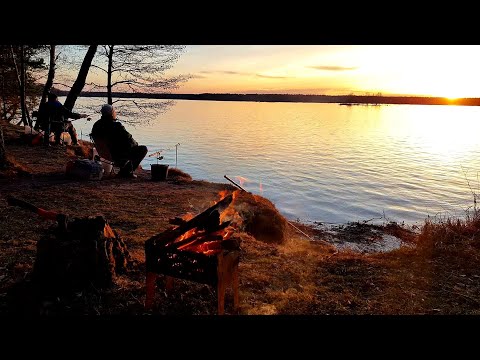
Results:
[438, 275]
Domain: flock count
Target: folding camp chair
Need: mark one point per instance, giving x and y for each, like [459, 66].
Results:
[104, 156]
[38, 129]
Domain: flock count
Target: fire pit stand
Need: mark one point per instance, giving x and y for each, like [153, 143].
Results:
[202, 249]
[218, 270]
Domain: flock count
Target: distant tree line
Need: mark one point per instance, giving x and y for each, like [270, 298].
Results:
[342, 99]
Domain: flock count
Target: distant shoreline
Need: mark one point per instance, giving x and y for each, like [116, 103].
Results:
[338, 99]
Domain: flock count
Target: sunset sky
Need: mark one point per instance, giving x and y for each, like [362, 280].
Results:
[428, 70]
[432, 70]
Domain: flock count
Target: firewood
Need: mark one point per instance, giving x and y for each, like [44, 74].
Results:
[195, 241]
[88, 253]
[177, 221]
[206, 220]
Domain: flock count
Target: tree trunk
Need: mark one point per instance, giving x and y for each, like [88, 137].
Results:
[3, 158]
[19, 80]
[109, 75]
[51, 75]
[4, 98]
[23, 98]
[82, 76]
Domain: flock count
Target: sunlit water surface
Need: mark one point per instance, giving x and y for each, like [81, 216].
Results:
[324, 162]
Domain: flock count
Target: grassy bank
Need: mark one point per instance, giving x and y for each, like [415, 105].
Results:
[435, 272]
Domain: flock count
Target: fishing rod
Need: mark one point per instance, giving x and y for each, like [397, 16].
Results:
[158, 153]
[234, 183]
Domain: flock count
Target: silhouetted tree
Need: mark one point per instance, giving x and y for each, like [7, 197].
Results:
[81, 78]
[23, 63]
[139, 69]
[3, 159]
[8, 83]
[21, 80]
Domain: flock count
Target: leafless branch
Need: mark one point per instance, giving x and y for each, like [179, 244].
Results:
[98, 67]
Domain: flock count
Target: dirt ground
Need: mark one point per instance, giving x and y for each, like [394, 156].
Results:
[301, 276]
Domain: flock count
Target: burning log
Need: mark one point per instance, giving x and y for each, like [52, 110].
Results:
[200, 237]
[77, 253]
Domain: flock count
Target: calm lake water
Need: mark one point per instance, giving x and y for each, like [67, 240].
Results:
[325, 162]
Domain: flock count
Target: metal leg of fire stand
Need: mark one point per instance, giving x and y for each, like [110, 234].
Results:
[150, 285]
[235, 289]
[169, 284]
[220, 286]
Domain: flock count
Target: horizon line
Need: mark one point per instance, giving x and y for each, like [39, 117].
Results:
[273, 93]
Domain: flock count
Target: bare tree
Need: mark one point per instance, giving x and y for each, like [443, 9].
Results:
[23, 55]
[8, 85]
[21, 81]
[140, 69]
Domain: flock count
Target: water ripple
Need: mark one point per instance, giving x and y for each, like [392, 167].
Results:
[319, 162]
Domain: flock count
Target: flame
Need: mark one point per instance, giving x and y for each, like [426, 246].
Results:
[231, 213]
[211, 252]
[208, 247]
[186, 235]
[191, 243]
[228, 233]
[235, 195]
[211, 243]
[242, 180]
[224, 233]
[223, 194]
[108, 232]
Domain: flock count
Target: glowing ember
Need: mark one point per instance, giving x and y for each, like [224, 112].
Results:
[188, 216]
[208, 246]
[187, 235]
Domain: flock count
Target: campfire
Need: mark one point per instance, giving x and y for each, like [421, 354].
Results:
[203, 248]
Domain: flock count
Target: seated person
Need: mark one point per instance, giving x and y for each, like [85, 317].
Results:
[125, 151]
[53, 117]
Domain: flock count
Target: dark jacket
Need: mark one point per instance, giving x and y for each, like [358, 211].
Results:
[117, 138]
[55, 113]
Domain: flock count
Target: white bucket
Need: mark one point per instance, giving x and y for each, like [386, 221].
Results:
[106, 164]
[107, 167]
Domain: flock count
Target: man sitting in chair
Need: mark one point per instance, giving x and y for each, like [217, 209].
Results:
[124, 150]
[53, 117]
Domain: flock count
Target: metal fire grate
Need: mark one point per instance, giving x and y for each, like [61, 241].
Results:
[218, 270]
[213, 260]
